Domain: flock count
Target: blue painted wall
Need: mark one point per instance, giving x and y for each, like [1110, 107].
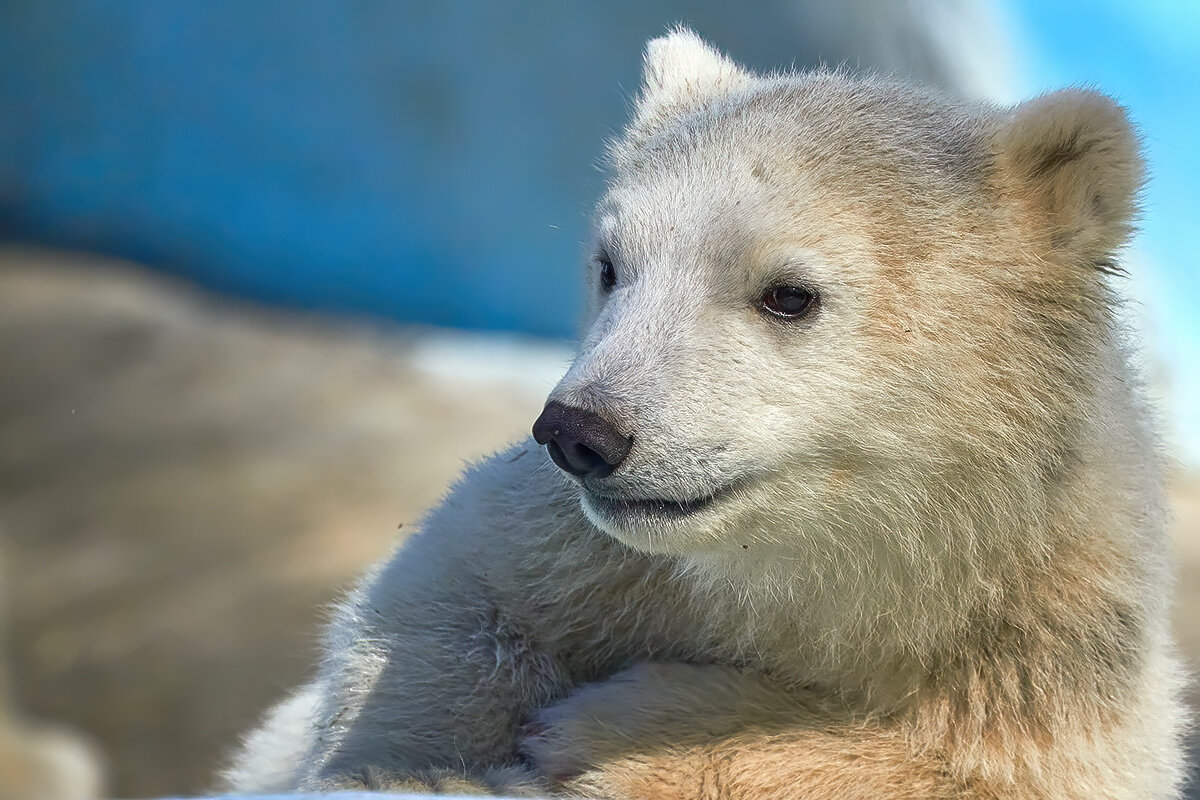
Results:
[426, 162]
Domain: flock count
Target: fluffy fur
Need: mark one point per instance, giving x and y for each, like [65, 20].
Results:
[908, 546]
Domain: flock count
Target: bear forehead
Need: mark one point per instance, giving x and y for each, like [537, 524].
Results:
[834, 127]
[800, 160]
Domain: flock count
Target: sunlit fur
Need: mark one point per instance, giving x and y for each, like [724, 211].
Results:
[933, 565]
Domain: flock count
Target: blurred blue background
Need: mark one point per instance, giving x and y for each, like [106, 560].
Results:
[425, 162]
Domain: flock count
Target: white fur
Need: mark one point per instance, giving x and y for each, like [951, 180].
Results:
[682, 72]
[932, 564]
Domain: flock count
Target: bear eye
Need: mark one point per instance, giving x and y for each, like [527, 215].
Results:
[789, 302]
[608, 273]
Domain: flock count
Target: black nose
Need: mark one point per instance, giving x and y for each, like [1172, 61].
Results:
[580, 442]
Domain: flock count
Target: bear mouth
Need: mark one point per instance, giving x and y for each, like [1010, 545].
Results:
[627, 511]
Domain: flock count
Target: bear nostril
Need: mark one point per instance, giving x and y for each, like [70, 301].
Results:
[579, 441]
[577, 459]
[558, 456]
[587, 457]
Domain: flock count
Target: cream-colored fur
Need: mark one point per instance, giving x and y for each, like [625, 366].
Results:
[909, 545]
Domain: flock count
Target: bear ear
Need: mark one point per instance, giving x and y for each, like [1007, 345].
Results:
[682, 73]
[1071, 161]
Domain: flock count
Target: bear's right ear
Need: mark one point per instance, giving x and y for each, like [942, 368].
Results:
[681, 73]
[1070, 160]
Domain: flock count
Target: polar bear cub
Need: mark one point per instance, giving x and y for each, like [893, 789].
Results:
[850, 492]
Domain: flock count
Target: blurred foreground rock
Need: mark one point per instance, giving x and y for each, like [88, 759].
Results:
[185, 484]
[39, 763]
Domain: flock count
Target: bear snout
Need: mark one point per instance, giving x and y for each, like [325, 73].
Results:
[581, 442]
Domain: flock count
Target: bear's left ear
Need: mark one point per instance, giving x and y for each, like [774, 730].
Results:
[682, 73]
[1071, 162]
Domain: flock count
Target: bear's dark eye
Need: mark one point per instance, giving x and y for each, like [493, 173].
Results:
[608, 273]
[789, 302]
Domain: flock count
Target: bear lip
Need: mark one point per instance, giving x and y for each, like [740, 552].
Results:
[633, 509]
